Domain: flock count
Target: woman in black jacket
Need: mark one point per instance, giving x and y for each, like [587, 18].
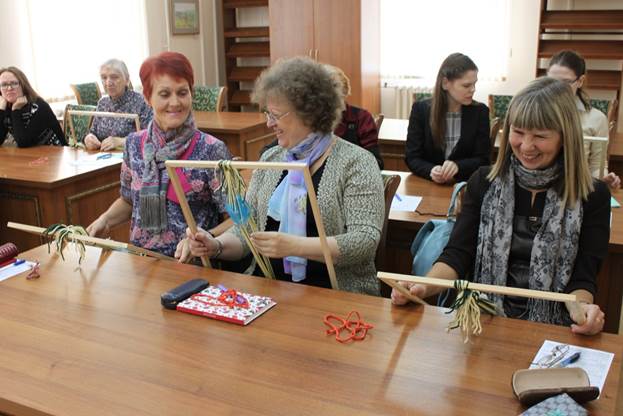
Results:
[24, 115]
[448, 136]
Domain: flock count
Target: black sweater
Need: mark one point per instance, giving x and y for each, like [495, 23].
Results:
[460, 251]
[471, 151]
[32, 125]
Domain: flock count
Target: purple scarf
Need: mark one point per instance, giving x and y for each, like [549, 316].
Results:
[288, 204]
[158, 147]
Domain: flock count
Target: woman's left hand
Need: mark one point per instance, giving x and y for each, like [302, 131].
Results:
[19, 103]
[111, 143]
[612, 180]
[594, 323]
[448, 170]
[274, 244]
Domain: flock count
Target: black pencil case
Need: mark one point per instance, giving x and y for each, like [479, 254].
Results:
[182, 292]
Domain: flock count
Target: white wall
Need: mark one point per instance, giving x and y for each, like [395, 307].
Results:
[200, 49]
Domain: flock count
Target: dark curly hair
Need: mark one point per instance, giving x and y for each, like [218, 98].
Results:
[307, 86]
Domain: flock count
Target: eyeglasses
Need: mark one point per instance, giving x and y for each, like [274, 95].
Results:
[555, 355]
[273, 117]
[7, 85]
[570, 81]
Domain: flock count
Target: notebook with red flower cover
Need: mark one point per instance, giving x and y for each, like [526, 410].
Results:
[228, 305]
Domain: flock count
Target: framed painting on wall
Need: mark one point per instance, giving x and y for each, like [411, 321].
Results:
[184, 17]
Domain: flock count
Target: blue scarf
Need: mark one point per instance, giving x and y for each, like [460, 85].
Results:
[288, 204]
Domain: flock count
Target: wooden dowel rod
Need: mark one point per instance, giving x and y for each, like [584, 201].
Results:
[203, 164]
[102, 114]
[188, 214]
[93, 241]
[324, 244]
[498, 290]
[404, 291]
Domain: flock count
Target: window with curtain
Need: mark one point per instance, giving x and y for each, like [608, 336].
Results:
[70, 39]
[416, 36]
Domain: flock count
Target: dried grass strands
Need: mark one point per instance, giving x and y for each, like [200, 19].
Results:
[241, 213]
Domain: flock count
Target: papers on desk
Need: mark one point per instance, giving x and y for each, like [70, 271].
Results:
[614, 203]
[596, 363]
[97, 159]
[405, 202]
[13, 270]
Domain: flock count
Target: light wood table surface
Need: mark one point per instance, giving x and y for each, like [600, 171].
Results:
[41, 186]
[392, 142]
[244, 133]
[403, 227]
[94, 340]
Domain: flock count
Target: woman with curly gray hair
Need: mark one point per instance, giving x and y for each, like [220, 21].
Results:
[303, 104]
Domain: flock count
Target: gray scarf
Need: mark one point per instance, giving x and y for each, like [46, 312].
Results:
[554, 248]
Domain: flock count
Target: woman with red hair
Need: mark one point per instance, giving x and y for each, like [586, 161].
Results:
[157, 221]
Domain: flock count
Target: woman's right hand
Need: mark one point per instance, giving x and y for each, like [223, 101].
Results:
[91, 142]
[416, 289]
[99, 228]
[201, 243]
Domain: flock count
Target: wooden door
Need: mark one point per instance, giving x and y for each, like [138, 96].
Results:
[337, 34]
[291, 28]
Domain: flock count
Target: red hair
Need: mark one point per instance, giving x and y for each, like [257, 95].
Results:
[173, 64]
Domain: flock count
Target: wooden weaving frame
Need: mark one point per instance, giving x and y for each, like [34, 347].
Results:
[133, 116]
[214, 164]
[571, 301]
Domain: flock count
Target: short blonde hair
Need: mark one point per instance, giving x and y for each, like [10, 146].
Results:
[341, 78]
[548, 104]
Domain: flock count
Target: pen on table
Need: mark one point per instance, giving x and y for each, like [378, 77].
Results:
[104, 156]
[398, 197]
[14, 262]
[569, 360]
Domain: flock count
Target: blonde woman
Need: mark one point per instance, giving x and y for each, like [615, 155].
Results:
[535, 219]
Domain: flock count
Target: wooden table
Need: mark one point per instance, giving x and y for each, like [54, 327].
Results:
[403, 226]
[40, 186]
[392, 141]
[615, 159]
[244, 133]
[95, 340]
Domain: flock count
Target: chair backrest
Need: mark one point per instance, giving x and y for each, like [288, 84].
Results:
[496, 125]
[498, 105]
[87, 93]
[608, 107]
[419, 96]
[209, 98]
[378, 120]
[77, 126]
[390, 184]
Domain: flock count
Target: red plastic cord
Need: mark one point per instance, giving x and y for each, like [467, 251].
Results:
[357, 328]
[229, 298]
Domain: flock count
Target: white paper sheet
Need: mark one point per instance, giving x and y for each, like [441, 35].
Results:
[96, 159]
[405, 202]
[596, 363]
[13, 270]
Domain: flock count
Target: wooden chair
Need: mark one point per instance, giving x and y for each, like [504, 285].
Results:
[76, 126]
[209, 98]
[419, 96]
[87, 93]
[378, 120]
[390, 185]
[498, 105]
[496, 124]
[608, 107]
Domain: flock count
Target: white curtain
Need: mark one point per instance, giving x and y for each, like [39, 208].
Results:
[417, 35]
[70, 39]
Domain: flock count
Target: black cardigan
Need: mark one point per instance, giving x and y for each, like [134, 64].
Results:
[460, 251]
[32, 125]
[472, 150]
